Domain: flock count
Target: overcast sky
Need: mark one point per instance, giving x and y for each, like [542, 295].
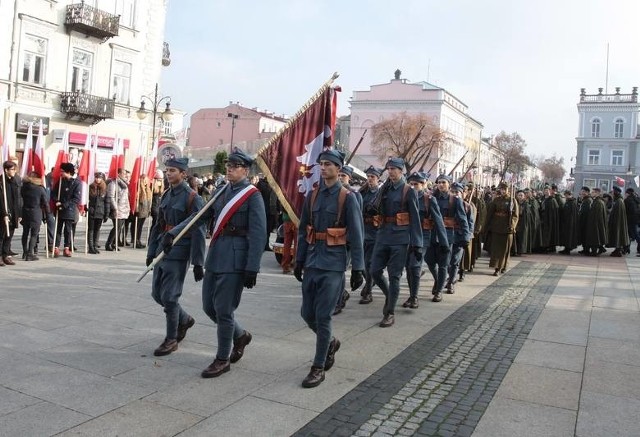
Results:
[518, 65]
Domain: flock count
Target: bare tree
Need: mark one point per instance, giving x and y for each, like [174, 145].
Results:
[553, 168]
[512, 148]
[415, 138]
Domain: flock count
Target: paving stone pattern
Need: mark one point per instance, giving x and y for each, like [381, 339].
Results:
[442, 384]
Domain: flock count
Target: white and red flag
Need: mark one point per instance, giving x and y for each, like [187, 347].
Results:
[134, 181]
[117, 158]
[38, 156]
[27, 156]
[153, 160]
[289, 158]
[86, 171]
[63, 156]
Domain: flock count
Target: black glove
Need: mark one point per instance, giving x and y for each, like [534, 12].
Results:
[297, 272]
[445, 248]
[149, 261]
[417, 252]
[357, 279]
[167, 243]
[198, 273]
[104, 220]
[250, 279]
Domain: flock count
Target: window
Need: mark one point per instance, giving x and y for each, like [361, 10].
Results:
[593, 157]
[166, 127]
[595, 128]
[121, 81]
[33, 59]
[617, 157]
[604, 184]
[125, 8]
[618, 128]
[591, 183]
[81, 71]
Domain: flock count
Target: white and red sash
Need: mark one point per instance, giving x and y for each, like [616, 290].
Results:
[230, 208]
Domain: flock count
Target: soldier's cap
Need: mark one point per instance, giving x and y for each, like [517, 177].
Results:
[333, 155]
[630, 191]
[617, 189]
[374, 171]
[181, 164]
[470, 184]
[554, 187]
[457, 186]
[98, 175]
[395, 162]
[67, 167]
[444, 177]
[347, 169]
[587, 189]
[520, 191]
[527, 190]
[503, 186]
[568, 192]
[238, 157]
[417, 177]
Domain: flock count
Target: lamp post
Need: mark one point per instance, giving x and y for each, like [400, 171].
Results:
[166, 115]
[233, 118]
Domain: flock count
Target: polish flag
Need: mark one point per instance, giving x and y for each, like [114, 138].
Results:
[27, 156]
[86, 172]
[38, 157]
[134, 181]
[63, 156]
[289, 158]
[117, 159]
[153, 161]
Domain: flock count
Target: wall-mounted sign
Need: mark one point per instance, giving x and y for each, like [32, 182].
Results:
[103, 142]
[23, 120]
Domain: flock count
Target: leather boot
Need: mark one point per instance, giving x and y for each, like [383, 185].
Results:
[8, 261]
[91, 244]
[167, 346]
[387, 321]
[314, 378]
[238, 346]
[183, 327]
[217, 368]
[331, 353]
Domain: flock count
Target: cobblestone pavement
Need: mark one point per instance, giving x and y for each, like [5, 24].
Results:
[442, 384]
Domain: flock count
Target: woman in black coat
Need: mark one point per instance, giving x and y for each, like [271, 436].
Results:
[34, 201]
[99, 208]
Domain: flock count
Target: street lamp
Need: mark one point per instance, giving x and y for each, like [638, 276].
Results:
[166, 115]
[233, 118]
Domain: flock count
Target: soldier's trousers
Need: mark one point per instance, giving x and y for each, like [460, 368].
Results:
[221, 293]
[321, 290]
[438, 263]
[166, 289]
[454, 262]
[393, 257]
[413, 267]
[368, 280]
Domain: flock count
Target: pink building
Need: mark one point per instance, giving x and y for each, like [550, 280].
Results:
[443, 108]
[212, 129]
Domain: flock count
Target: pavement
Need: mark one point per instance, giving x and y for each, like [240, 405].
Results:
[551, 348]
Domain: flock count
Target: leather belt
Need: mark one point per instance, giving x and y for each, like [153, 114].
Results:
[368, 220]
[320, 236]
[449, 222]
[231, 231]
[390, 219]
[427, 224]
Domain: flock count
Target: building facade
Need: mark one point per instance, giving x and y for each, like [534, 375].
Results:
[450, 114]
[607, 141]
[217, 129]
[80, 67]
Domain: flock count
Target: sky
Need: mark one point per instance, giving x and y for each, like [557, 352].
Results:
[518, 65]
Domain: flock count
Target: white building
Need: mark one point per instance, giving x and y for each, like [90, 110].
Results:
[81, 67]
[607, 142]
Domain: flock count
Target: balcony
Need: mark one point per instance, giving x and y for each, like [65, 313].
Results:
[91, 21]
[609, 98]
[85, 106]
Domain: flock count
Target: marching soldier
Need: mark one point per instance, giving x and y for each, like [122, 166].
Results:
[399, 236]
[462, 240]
[569, 224]
[583, 218]
[618, 234]
[550, 221]
[596, 229]
[522, 242]
[433, 233]
[368, 193]
[176, 205]
[502, 219]
[331, 219]
[455, 221]
[472, 253]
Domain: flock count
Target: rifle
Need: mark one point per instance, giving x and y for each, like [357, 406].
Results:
[412, 143]
[469, 168]
[355, 149]
[459, 162]
[433, 165]
[375, 207]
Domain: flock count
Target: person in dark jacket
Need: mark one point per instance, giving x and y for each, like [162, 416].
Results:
[157, 189]
[583, 218]
[99, 208]
[549, 220]
[569, 224]
[10, 210]
[617, 236]
[632, 207]
[34, 202]
[67, 198]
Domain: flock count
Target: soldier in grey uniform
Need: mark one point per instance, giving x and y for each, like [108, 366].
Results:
[433, 233]
[344, 176]
[455, 222]
[233, 260]
[368, 193]
[461, 239]
[331, 219]
[399, 236]
[176, 204]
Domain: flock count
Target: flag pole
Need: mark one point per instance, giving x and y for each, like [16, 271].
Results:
[263, 165]
[4, 198]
